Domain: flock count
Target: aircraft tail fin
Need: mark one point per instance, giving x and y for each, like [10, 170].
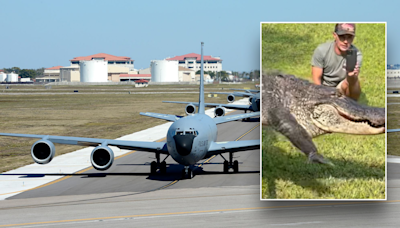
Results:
[201, 95]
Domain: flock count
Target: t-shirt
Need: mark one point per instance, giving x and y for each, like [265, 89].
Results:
[333, 65]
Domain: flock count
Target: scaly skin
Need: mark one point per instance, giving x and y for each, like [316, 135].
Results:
[301, 110]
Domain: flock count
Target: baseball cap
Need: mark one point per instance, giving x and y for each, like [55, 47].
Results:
[345, 28]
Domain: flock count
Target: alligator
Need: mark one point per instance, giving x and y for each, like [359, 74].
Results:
[301, 111]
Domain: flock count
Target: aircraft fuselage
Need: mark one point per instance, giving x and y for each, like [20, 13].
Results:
[189, 138]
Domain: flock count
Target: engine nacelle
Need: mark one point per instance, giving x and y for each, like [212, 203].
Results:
[251, 100]
[219, 111]
[43, 151]
[190, 109]
[102, 157]
[230, 98]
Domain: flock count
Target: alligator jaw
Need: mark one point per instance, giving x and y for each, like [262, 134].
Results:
[330, 119]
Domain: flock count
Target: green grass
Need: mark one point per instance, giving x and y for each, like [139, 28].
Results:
[359, 171]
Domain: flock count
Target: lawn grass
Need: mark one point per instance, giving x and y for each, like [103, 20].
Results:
[359, 171]
[84, 115]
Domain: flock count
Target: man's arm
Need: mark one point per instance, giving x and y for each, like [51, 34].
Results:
[316, 75]
[317, 65]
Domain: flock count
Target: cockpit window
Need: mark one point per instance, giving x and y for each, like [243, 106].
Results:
[191, 132]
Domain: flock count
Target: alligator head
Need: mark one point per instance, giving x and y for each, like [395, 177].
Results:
[301, 110]
[341, 114]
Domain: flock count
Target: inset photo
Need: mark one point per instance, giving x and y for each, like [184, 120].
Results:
[323, 111]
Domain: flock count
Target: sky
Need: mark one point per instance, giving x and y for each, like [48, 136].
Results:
[42, 33]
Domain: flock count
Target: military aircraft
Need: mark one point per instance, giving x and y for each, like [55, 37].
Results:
[247, 93]
[220, 108]
[189, 140]
[392, 130]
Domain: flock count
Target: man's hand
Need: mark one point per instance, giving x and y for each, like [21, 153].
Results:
[352, 77]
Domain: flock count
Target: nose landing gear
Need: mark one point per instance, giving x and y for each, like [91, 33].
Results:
[187, 173]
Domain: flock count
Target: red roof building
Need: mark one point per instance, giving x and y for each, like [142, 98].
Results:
[54, 68]
[134, 77]
[112, 59]
[196, 56]
[192, 61]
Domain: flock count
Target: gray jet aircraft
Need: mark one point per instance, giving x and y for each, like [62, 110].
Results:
[189, 140]
[220, 108]
[250, 93]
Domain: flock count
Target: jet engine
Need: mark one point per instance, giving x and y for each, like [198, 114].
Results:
[43, 151]
[219, 111]
[251, 100]
[190, 109]
[230, 98]
[102, 157]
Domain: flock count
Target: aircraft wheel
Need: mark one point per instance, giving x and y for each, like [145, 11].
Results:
[226, 167]
[153, 167]
[163, 167]
[235, 166]
[190, 174]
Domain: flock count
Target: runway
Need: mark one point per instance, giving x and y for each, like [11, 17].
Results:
[128, 188]
[128, 196]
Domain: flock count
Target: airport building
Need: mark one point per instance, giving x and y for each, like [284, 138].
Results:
[116, 65]
[51, 74]
[393, 71]
[135, 77]
[186, 74]
[93, 68]
[192, 61]
[104, 67]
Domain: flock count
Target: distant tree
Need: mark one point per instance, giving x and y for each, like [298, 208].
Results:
[224, 76]
[40, 72]
[211, 73]
[27, 73]
[256, 74]
[12, 69]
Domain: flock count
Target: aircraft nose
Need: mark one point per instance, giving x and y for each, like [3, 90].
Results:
[184, 144]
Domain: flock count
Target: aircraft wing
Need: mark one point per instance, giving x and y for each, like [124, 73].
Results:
[236, 94]
[250, 90]
[229, 118]
[232, 146]
[168, 117]
[392, 130]
[122, 144]
[230, 106]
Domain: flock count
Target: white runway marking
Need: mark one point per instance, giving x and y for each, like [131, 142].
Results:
[12, 183]
[393, 159]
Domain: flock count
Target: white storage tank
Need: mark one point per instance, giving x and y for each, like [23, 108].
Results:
[12, 77]
[93, 70]
[164, 71]
[3, 76]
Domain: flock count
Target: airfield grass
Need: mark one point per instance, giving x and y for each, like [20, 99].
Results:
[359, 171]
[84, 115]
[393, 122]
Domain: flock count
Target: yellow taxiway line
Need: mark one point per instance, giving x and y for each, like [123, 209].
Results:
[195, 212]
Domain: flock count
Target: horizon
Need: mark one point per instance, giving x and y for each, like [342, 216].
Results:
[50, 33]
